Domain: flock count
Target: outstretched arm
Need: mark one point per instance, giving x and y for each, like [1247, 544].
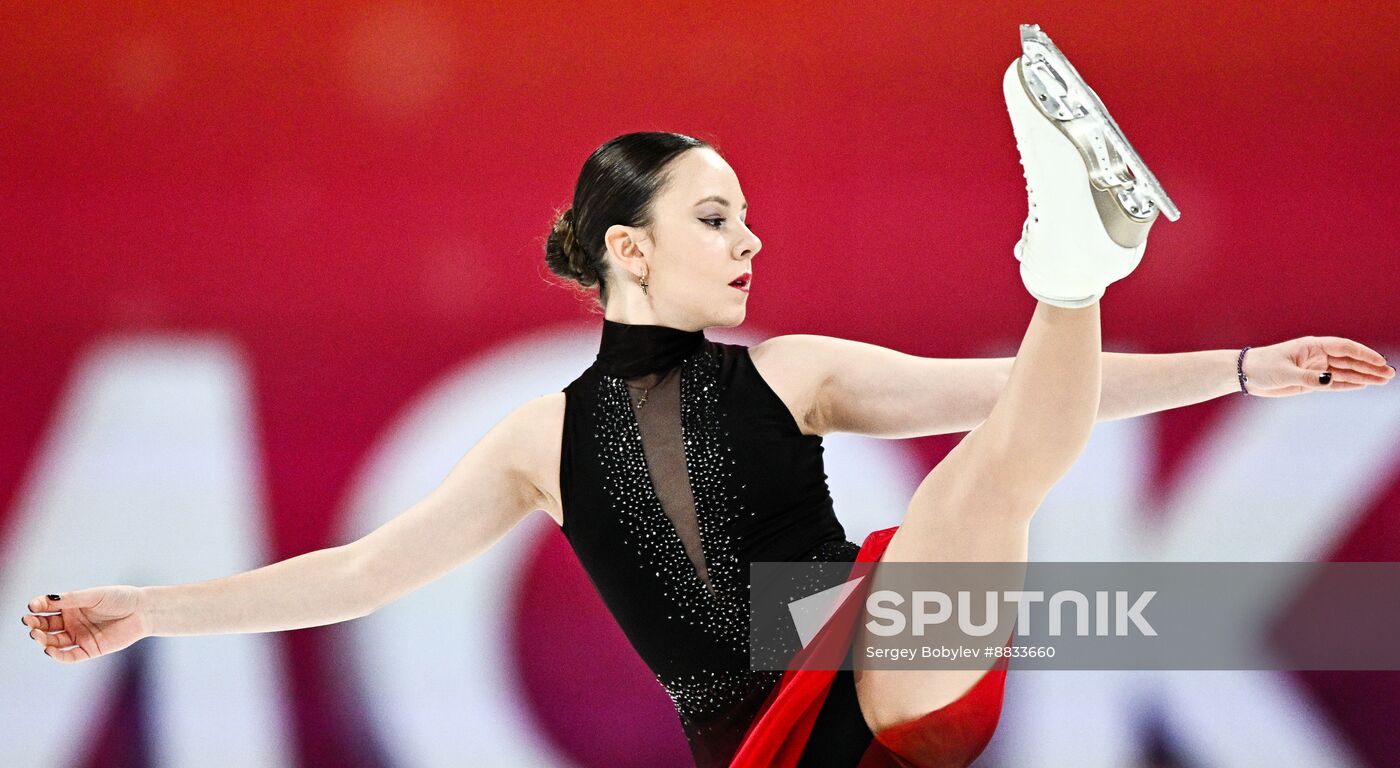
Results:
[872, 390]
[481, 499]
[489, 490]
[1137, 384]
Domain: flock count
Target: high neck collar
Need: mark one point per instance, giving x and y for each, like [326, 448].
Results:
[628, 350]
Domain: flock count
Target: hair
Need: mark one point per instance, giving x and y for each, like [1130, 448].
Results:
[618, 184]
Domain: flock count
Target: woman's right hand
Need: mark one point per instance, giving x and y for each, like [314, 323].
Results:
[88, 622]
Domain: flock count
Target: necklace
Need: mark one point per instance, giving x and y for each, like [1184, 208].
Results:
[645, 391]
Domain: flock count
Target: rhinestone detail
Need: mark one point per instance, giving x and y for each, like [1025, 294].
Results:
[717, 607]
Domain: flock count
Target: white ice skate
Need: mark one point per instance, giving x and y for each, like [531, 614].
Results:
[1092, 199]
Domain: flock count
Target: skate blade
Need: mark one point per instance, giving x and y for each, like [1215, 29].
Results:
[1113, 163]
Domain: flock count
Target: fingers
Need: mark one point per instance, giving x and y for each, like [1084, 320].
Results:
[82, 598]
[1374, 374]
[60, 639]
[1370, 373]
[67, 655]
[40, 624]
[43, 623]
[49, 631]
[1338, 347]
[1353, 362]
[46, 603]
[1344, 374]
[58, 645]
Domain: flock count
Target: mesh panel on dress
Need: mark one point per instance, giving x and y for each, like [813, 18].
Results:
[659, 420]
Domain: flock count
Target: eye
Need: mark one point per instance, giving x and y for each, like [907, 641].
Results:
[718, 223]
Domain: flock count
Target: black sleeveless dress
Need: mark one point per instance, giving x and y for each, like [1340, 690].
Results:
[679, 467]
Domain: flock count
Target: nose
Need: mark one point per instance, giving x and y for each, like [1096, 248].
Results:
[750, 246]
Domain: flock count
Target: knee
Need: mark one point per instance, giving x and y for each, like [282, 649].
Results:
[943, 732]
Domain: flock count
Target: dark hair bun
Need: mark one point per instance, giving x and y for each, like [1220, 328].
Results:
[565, 255]
[618, 184]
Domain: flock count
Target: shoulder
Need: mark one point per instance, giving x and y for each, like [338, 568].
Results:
[799, 344]
[532, 446]
[794, 366]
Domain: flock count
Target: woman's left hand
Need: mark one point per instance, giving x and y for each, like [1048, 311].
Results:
[1292, 367]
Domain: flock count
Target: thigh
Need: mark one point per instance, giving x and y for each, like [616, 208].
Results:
[969, 509]
[974, 506]
[936, 713]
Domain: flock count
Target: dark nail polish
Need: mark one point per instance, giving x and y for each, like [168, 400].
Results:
[1325, 377]
[54, 597]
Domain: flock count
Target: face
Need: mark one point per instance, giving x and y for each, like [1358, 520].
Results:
[698, 245]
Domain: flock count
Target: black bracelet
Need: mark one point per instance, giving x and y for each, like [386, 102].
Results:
[1239, 370]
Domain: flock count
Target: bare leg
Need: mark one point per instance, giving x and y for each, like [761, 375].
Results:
[1078, 237]
[977, 504]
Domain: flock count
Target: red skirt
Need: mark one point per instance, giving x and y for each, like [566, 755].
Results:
[953, 735]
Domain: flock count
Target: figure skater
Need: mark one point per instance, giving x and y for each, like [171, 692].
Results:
[673, 461]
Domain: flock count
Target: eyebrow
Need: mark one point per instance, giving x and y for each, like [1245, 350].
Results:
[719, 200]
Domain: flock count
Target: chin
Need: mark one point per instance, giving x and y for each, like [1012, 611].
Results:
[731, 319]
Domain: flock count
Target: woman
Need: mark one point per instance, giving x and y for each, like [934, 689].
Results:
[682, 460]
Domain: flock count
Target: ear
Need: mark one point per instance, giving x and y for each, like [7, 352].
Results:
[621, 243]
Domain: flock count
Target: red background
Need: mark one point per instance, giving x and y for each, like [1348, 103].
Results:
[358, 193]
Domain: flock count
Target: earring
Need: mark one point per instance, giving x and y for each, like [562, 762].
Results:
[644, 285]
